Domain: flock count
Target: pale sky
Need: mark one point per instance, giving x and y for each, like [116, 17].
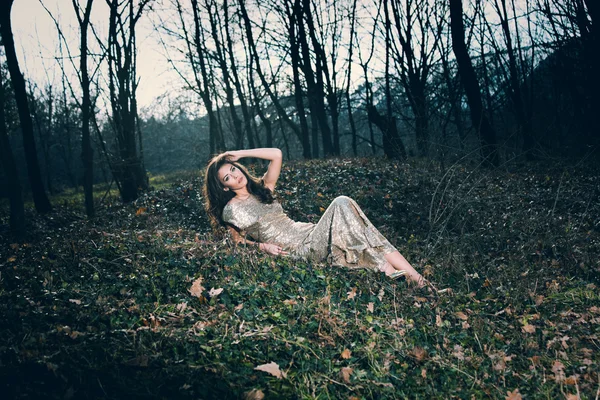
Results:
[36, 41]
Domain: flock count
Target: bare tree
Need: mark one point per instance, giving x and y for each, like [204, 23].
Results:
[418, 42]
[255, 61]
[392, 143]
[129, 171]
[15, 195]
[471, 85]
[292, 26]
[87, 155]
[40, 199]
[352, 17]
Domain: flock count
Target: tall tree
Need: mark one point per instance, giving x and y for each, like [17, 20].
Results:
[392, 143]
[87, 155]
[17, 211]
[349, 79]
[292, 26]
[40, 199]
[468, 77]
[123, 81]
[254, 56]
[236, 78]
[418, 42]
[515, 83]
[221, 58]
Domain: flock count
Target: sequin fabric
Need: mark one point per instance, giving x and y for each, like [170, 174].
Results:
[344, 236]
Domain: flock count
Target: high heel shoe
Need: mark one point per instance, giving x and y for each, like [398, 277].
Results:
[397, 275]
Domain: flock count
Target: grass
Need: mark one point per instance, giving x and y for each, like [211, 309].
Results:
[103, 308]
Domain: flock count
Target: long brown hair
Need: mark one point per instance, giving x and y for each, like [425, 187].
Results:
[215, 198]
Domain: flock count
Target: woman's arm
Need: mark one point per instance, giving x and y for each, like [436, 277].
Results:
[269, 248]
[272, 154]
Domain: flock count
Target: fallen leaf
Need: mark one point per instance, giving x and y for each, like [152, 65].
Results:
[271, 368]
[461, 315]
[528, 328]
[254, 394]
[140, 211]
[197, 288]
[423, 373]
[370, 307]
[239, 307]
[12, 259]
[438, 320]
[380, 294]
[571, 380]
[559, 371]
[345, 373]
[215, 292]
[419, 353]
[514, 395]
[572, 396]
[75, 301]
[351, 294]
[346, 354]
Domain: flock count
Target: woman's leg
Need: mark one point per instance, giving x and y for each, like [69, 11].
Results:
[399, 263]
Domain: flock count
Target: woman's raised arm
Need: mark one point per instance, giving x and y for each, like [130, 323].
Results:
[274, 155]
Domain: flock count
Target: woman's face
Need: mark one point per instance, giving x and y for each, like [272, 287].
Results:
[231, 177]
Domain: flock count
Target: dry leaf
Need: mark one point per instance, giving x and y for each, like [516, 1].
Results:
[215, 292]
[424, 373]
[239, 307]
[271, 368]
[254, 394]
[370, 307]
[559, 371]
[528, 328]
[514, 395]
[461, 315]
[181, 307]
[197, 288]
[571, 380]
[380, 294]
[12, 259]
[346, 354]
[140, 211]
[438, 320]
[419, 353]
[351, 294]
[78, 302]
[572, 396]
[345, 373]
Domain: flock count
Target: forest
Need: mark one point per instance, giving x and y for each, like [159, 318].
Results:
[467, 130]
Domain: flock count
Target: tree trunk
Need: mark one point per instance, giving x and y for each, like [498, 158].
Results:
[349, 75]
[236, 81]
[216, 142]
[87, 154]
[40, 199]
[319, 83]
[222, 62]
[515, 87]
[15, 195]
[298, 92]
[479, 119]
[254, 56]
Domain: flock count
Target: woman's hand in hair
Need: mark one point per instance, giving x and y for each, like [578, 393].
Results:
[232, 156]
[273, 249]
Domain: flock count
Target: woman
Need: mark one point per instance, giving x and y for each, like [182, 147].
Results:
[343, 236]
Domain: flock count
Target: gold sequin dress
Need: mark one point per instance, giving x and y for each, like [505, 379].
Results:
[344, 236]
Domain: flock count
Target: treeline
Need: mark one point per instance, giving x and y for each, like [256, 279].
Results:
[490, 80]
